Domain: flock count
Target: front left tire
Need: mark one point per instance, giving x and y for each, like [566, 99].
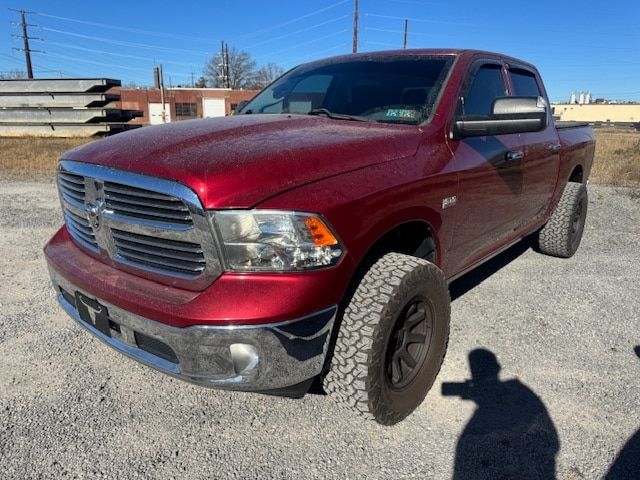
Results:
[392, 339]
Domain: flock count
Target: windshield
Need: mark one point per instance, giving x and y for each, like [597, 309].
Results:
[394, 89]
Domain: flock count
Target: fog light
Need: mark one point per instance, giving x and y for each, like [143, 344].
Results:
[244, 357]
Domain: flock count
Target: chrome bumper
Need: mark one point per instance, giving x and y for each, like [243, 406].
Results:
[252, 358]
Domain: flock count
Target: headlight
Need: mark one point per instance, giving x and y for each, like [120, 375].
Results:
[267, 240]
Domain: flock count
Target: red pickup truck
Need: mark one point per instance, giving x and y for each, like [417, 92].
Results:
[312, 236]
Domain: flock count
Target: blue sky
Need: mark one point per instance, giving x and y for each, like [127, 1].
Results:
[577, 45]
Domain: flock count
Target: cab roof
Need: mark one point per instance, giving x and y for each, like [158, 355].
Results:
[455, 52]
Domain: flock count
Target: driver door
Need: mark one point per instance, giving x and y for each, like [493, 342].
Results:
[490, 176]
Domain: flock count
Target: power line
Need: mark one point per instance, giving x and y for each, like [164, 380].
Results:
[289, 22]
[123, 55]
[410, 2]
[483, 27]
[146, 46]
[126, 44]
[11, 59]
[317, 53]
[63, 57]
[110, 65]
[298, 45]
[35, 67]
[387, 30]
[561, 57]
[151, 47]
[82, 60]
[302, 30]
[384, 44]
[200, 39]
[420, 20]
[125, 29]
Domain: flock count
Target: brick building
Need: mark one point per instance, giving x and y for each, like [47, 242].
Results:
[180, 103]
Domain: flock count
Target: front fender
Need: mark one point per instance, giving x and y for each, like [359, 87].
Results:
[364, 205]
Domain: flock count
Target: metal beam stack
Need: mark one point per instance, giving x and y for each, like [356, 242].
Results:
[69, 107]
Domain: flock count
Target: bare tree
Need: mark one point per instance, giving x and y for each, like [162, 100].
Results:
[201, 82]
[266, 74]
[13, 75]
[242, 70]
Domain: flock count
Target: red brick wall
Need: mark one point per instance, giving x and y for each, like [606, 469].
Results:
[236, 96]
[139, 99]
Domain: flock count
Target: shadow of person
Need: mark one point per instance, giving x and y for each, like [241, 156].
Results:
[510, 434]
[627, 463]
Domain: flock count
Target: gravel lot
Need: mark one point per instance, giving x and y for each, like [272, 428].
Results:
[565, 329]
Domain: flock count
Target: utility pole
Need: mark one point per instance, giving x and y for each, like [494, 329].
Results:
[164, 111]
[404, 40]
[192, 84]
[156, 76]
[27, 51]
[222, 64]
[224, 57]
[355, 27]
[25, 39]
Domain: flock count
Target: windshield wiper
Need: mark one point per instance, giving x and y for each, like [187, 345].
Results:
[336, 116]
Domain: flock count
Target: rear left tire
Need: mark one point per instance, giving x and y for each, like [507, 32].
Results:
[561, 235]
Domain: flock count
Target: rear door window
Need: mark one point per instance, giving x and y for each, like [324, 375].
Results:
[524, 83]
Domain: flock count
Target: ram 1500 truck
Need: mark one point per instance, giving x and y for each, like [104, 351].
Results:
[312, 236]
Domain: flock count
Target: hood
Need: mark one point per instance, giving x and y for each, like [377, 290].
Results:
[240, 161]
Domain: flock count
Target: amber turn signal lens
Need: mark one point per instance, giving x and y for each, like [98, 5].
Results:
[320, 234]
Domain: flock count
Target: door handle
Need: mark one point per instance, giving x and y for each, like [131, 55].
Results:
[555, 147]
[514, 155]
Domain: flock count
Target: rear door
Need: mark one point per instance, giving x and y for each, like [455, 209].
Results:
[491, 183]
[541, 149]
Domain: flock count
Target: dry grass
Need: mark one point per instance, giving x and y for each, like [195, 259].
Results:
[617, 158]
[33, 157]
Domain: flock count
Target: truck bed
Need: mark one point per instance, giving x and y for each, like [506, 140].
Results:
[567, 124]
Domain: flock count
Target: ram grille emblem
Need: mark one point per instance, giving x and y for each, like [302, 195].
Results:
[95, 214]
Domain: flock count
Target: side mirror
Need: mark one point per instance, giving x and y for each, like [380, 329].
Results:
[508, 115]
[240, 106]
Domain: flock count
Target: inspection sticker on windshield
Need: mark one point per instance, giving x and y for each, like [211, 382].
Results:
[401, 113]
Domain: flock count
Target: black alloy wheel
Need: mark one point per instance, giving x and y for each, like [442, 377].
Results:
[409, 343]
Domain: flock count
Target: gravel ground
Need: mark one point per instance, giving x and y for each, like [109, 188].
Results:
[562, 330]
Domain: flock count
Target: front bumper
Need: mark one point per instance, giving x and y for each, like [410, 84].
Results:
[263, 357]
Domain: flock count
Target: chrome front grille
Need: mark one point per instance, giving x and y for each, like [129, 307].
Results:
[80, 229]
[183, 257]
[149, 226]
[71, 187]
[145, 204]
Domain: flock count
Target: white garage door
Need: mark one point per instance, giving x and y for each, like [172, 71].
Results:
[155, 113]
[213, 107]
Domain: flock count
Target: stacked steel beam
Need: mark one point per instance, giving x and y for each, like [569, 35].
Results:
[69, 107]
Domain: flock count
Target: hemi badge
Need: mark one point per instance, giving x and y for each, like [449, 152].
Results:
[449, 202]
